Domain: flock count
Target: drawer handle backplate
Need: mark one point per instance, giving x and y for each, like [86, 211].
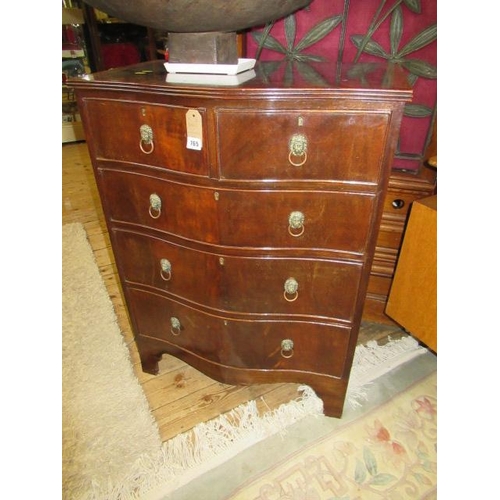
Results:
[146, 139]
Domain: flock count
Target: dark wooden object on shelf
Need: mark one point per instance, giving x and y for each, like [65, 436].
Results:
[244, 219]
[93, 35]
[203, 48]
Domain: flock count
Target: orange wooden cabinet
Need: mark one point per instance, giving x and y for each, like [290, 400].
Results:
[413, 296]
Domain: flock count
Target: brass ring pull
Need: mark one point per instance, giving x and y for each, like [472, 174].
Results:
[147, 152]
[287, 348]
[298, 147]
[154, 206]
[291, 292]
[296, 224]
[304, 155]
[175, 326]
[146, 139]
[166, 270]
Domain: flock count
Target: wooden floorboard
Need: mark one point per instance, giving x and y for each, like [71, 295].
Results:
[180, 397]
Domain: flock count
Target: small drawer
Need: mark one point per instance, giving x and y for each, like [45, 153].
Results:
[253, 343]
[296, 219]
[390, 235]
[379, 285]
[294, 145]
[149, 134]
[397, 203]
[257, 285]
[179, 209]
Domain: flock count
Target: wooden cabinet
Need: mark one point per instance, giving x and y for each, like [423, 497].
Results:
[404, 189]
[244, 219]
[413, 296]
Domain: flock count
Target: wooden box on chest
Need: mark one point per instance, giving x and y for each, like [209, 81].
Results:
[243, 219]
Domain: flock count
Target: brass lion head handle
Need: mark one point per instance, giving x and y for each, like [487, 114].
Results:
[165, 269]
[296, 224]
[146, 143]
[287, 348]
[175, 326]
[298, 149]
[154, 206]
[291, 290]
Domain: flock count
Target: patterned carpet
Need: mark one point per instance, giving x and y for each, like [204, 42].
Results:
[385, 449]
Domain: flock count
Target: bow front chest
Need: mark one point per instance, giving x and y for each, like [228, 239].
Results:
[243, 218]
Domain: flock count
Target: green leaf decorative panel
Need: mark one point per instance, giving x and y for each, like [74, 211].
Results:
[403, 32]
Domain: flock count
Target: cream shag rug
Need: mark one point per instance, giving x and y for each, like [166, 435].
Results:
[111, 445]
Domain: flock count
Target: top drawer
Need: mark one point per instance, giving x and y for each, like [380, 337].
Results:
[145, 133]
[293, 145]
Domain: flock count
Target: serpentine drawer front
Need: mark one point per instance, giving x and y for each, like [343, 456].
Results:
[231, 341]
[240, 217]
[255, 284]
[243, 219]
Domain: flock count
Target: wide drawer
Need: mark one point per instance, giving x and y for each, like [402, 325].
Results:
[251, 218]
[295, 145]
[255, 343]
[246, 284]
[116, 128]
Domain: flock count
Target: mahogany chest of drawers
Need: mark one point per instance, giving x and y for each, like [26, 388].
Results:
[243, 218]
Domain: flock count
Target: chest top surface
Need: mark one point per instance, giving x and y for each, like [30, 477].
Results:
[367, 80]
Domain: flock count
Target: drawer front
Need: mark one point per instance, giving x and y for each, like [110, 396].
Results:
[259, 219]
[294, 145]
[379, 285]
[306, 287]
[390, 235]
[241, 284]
[294, 219]
[116, 133]
[398, 203]
[253, 344]
[186, 211]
